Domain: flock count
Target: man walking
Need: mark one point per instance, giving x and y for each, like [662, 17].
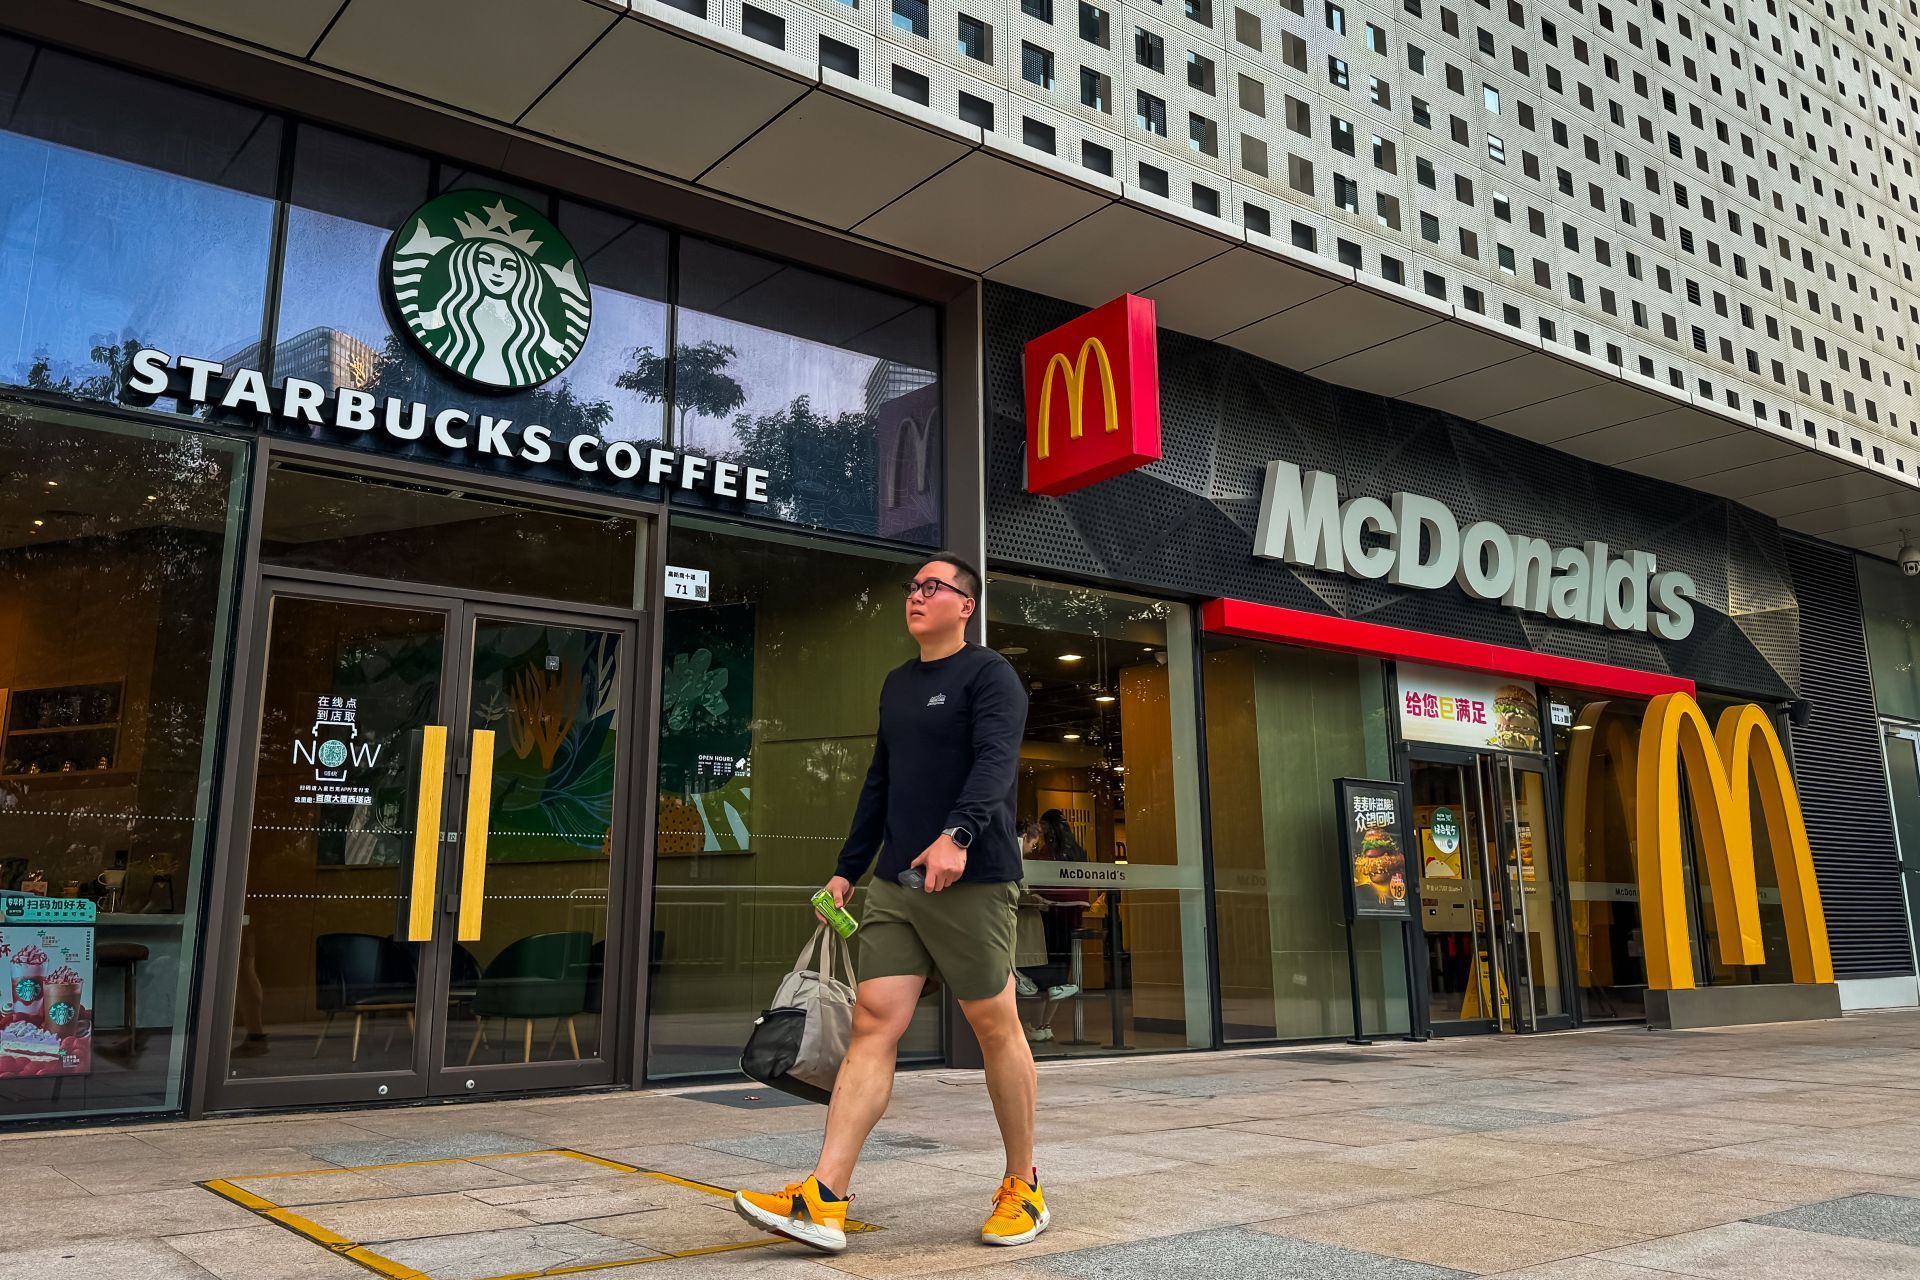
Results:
[938, 800]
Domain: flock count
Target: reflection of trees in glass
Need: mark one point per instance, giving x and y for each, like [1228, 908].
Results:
[826, 462]
[701, 384]
[398, 371]
[1083, 611]
[822, 467]
[114, 358]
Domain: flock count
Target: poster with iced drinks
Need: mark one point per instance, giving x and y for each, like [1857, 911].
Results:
[1373, 844]
[46, 953]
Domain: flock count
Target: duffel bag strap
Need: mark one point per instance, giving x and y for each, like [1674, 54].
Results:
[806, 958]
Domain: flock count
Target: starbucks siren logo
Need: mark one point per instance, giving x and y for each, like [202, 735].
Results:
[489, 289]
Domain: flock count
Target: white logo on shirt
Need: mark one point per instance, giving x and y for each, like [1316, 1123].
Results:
[937, 700]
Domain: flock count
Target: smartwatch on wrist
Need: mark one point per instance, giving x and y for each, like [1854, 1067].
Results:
[959, 835]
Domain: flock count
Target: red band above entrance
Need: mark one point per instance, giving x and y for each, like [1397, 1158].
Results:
[1251, 621]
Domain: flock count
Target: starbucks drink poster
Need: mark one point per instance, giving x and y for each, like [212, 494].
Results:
[1373, 849]
[46, 1013]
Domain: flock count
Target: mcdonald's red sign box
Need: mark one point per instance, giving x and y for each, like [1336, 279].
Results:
[1093, 397]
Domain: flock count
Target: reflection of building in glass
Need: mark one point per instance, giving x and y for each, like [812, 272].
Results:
[325, 356]
[904, 404]
[890, 380]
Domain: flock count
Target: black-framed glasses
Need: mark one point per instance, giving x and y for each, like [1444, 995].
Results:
[928, 588]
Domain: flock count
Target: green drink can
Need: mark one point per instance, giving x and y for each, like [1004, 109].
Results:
[843, 924]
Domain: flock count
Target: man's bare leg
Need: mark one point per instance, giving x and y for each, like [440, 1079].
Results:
[881, 1011]
[1012, 1081]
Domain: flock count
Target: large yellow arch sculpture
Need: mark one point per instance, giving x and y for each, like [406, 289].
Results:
[1723, 769]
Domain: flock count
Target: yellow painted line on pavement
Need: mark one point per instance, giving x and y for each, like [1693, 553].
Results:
[397, 1164]
[245, 1199]
[391, 1270]
[313, 1231]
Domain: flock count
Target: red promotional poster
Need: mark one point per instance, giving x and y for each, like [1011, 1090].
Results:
[46, 1025]
[1093, 397]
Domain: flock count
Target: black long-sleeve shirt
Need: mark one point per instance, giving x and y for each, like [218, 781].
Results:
[946, 756]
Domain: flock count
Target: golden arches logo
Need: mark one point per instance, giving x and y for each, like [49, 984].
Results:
[1727, 767]
[1074, 373]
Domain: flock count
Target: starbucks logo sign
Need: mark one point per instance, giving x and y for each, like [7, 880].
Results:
[488, 289]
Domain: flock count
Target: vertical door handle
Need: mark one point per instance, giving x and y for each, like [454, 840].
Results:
[473, 861]
[426, 832]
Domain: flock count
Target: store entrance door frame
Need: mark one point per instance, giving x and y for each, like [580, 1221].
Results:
[1900, 742]
[1502, 904]
[439, 1067]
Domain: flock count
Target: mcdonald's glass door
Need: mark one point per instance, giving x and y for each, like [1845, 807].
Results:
[1487, 892]
[1461, 907]
[434, 838]
[1529, 918]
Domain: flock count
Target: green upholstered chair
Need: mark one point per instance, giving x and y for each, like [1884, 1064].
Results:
[542, 976]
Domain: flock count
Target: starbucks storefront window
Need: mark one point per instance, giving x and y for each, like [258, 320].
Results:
[117, 553]
[769, 702]
[135, 214]
[340, 290]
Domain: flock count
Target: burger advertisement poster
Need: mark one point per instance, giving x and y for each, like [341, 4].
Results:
[1463, 709]
[1373, 831]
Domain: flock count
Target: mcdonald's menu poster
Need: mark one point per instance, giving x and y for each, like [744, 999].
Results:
[1373, 848]
[1439, 828]
[46, 1025]
[1461, 709]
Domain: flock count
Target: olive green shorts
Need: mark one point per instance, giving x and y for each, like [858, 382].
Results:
[963, 935]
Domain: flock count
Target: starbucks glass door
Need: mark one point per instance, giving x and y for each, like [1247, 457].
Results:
[436, 834]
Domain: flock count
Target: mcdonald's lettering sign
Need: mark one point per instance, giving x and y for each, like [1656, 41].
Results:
[1726, 768]
[1093, 397]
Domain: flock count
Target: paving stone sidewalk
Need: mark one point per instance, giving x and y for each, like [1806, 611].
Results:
[1766, 1153]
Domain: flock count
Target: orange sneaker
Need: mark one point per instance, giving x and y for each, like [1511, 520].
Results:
[798, 1212]
[1019, 1213]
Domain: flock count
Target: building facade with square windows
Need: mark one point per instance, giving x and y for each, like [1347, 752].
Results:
[457, 493]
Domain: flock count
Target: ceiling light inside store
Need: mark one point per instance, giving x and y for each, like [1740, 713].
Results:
[38, 523]
[1069, 737]
[1070, 657]
[53, 484]
[1104, 697]
[153, 497]
[1013, 651]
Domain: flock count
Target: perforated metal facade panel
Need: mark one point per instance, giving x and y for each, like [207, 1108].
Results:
[1837, 762]
[1185, 524]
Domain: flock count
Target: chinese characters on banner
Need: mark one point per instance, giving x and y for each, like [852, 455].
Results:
[1439, 706]
[336, 752]
[46, 948]
[1466, 709]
